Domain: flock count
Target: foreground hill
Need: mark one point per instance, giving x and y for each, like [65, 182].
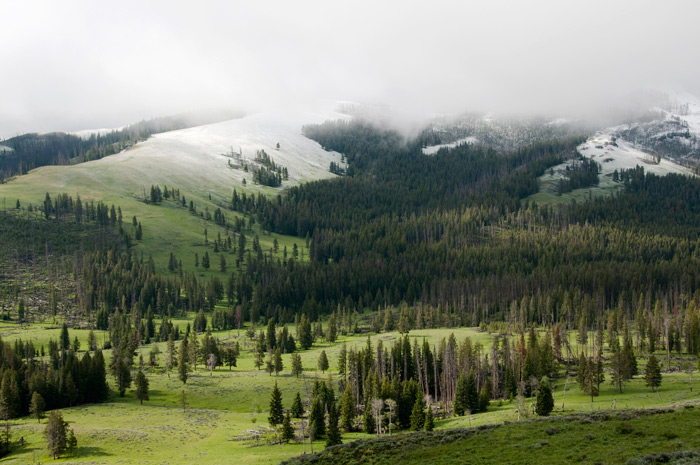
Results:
[632, 437]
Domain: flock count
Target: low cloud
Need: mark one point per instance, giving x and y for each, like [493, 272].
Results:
[75, 65]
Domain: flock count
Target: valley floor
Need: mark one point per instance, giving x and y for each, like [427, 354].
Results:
[223, 408]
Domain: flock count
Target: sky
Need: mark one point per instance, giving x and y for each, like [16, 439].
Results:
[74, 65]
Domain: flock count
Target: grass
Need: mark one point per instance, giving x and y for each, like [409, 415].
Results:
[222, 408]
[606, 438]
[167, 228]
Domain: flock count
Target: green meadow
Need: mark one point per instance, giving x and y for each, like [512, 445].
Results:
[224, 419]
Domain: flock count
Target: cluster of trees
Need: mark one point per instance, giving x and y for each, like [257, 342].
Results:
[37, 379]
[336, 169]
[268, 173]
[579, 174]
[208, 350]
[406, 385]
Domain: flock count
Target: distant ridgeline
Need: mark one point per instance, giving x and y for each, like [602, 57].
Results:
[32, 150]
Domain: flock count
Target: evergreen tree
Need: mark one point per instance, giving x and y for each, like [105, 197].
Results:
[545, 400]
[429, 420]
[460, 401]
[652, 373]
[472, 394]
[367, 419]
[297, 409]
[141, 387]
[317, 418]
[305, 335]
[65, 339]
[297, 368]
[485, 396]
[347, 410]
[617, 363]
[276, 416]
[183, 362]
[629, 361]
[287, 429]
[37, 406]
[333, 430]
[58, 435]
[418, 415]
[323, 361]
[205, 260]
[271, 337]
[279, 366]
[332, 329]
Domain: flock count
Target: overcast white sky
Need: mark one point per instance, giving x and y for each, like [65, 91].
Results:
[72, 65]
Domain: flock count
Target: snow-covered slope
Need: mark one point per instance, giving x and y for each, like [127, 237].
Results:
[672, 128]
[613, 153]
[197, 159]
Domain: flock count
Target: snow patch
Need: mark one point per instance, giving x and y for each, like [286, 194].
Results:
[433, 149]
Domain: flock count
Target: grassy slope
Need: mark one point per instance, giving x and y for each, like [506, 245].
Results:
[166, 228]
[586, 439]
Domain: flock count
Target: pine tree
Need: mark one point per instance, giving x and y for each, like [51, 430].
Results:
[545, 400]
[460, 401]
[347, 410]
[141, 387]
[429, 420]
[305, 335]
[287, 428]
[652, 373]
[334, 436]
[332, 329]
[276, 416]
[297, 409]
[279, 366]
[297, 368]
[472, 394]
[317, 418]
[617, 364]
[629, 361]
[484, 397]
[417, 415]
[58, 435]
[323, 361]
[65, 339]
[367, 419]
[183, 363]
[37, 406]
[581, 371]
[193, 349]
[205, 260]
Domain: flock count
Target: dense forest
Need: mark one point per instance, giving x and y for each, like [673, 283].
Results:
[451, 232]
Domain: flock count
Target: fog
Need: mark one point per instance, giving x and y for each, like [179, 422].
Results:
[74, 65]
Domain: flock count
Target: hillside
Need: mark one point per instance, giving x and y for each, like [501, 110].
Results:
[631, 437]
[196, 162]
